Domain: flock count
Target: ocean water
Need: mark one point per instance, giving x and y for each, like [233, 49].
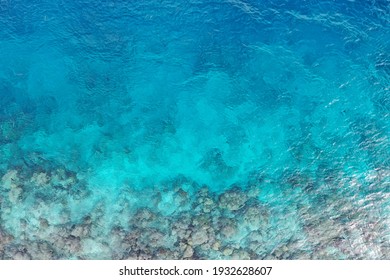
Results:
[225, 129]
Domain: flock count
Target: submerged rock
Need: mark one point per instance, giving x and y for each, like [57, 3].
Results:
[40, 179]
[228, 227]
[232, 199]
[5, 239]
[16, 252]
[255, 215]
[188, 252]
[199, 237]
[10, 180]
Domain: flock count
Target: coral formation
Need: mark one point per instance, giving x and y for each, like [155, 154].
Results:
[226, 226]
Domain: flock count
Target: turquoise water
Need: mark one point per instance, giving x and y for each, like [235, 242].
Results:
[221, 129]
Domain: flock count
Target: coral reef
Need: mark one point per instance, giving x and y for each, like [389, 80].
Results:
[229, 225]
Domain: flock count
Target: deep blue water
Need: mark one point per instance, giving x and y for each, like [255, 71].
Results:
[195, 129]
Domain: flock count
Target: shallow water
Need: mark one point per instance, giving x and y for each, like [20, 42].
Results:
[219, 129]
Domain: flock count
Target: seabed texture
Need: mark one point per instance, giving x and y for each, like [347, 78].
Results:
[224, 129]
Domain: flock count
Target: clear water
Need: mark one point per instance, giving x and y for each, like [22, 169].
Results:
[225, 129]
